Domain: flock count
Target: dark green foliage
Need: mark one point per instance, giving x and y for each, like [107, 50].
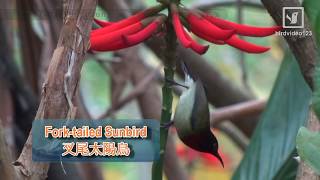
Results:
[273, 142]
[308, 145]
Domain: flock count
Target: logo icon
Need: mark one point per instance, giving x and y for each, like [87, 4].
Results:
[293, 17]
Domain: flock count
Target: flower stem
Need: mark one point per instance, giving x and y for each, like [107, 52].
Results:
[167, 96]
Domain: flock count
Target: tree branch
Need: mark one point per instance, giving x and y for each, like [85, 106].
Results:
[25, 102]
[237, 111]
[71, 49]
[138, 90]
[303, 47]
[6, 169]
[234, 134]
[51, 23]
[209, 4]
[30, 43]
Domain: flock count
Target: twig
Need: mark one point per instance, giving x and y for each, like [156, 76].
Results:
[237, 111]
[6, 169]
[140, 88]
[113, 60]
[30, 44]
[51, 26]
[235, 134]
[7, 115]
[25, 102]
[213, 4]
[241, 53]
[89, 171]
[245, 110]
[103, 60]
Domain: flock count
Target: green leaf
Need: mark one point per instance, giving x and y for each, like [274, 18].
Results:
[311, 8]
[273, 142]
[288, 171]
[308, 146]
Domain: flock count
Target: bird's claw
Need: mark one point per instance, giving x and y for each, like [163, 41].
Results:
[167, 125]
[175, 83]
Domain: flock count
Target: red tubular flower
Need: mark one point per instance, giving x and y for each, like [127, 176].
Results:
[199, 24]
[144, 34]
[125, 40]
[119, 44]
[236, 42]
[138, 28]
[128, 21]
[243, 45]
[102, 23]
[183, 36]
[198, 48]
[208, 38]
[99, 42]
[241, 29]
[178, 27]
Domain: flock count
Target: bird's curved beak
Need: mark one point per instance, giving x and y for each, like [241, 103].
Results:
[217, 155]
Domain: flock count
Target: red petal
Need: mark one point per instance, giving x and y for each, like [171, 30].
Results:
[120, 44]
[246, 46]
[205, 27]
[207, 38]
[242, 29]
[101, 41]
[102, 23]
[142, 35]
[118, 25]
[128, 41]
[198, 48]
[179, 29]
[128, 21]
